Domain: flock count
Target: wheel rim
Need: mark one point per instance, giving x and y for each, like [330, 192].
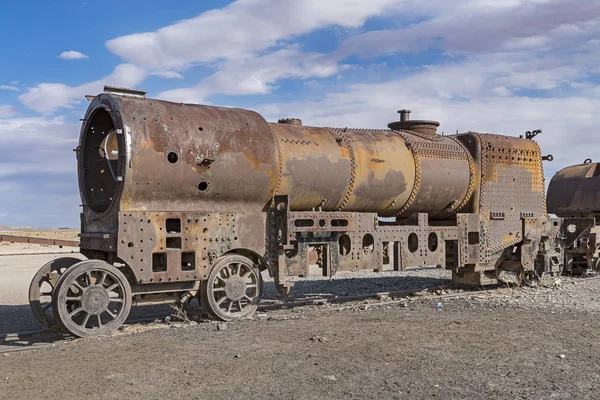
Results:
[92, 299]
[234, 288]
[43, 284]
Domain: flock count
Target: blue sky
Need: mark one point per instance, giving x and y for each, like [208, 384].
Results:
[502, 66]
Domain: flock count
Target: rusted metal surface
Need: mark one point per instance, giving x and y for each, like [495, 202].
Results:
[171, 190]
[343, 169]
[41, 241]
[444, 175]
[162, 247]
[428, 128]
[512, 188]
[575, 191]
[190, 157]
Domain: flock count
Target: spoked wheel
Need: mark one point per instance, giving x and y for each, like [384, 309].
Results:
[233, 288]
[92, 298]
[42, 286]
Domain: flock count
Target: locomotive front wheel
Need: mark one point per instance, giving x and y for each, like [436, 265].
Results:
[43, 284]
[92, 298]
[233, 288]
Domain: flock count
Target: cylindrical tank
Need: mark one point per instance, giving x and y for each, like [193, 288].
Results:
[151, 155]
[575, 191]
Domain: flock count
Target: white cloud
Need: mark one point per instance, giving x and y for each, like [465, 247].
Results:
[72, 55]
[9, 87]
[167, 74]
[38, 178]
[37, 144]
[476, 27]
[256, 75]
[240, 30]
[7, 111]
[459, 96]
[49, 97]
[522, 31]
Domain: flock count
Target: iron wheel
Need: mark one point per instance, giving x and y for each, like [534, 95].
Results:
[43, 284]
[92, 298]
[233, 289]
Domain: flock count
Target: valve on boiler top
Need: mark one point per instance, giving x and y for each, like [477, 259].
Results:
[423, 127]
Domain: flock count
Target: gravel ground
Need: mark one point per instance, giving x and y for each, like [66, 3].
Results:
[356, 283]
[567, 294]
[506, 343]
[502, 344]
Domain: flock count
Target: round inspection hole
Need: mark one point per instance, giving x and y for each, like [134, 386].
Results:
[172, 157]
[202, 186]
[322, 223]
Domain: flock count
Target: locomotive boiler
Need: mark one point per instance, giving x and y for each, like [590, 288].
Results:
[184, 200]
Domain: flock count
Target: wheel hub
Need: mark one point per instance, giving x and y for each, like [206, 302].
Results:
[95, 300]
[235, 288]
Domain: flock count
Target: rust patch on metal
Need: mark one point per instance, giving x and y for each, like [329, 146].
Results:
[575, 191]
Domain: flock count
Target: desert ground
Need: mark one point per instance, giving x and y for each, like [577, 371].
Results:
[327, 341]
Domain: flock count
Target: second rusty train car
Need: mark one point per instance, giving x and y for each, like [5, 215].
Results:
[184, 200]
[574, 195]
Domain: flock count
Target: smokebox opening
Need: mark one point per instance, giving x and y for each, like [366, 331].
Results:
[100, 155]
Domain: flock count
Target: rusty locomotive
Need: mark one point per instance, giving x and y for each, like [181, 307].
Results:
[184, 200]
[574, 195]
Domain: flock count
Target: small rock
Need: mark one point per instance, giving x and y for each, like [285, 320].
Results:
[222, 327]
[167, 319]
[318, 338]
[405, 304]
[330, 377]
[562, 356]
[238, 356]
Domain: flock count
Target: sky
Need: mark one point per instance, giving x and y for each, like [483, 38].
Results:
[500, 66]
